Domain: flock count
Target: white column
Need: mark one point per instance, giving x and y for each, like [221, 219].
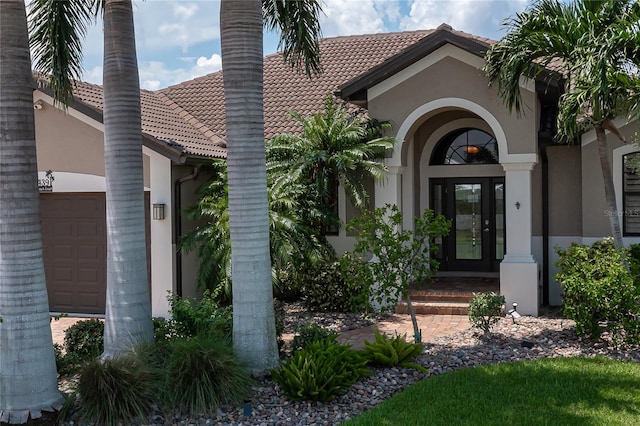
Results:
[162, 259]
[390, 191]
[519, 281]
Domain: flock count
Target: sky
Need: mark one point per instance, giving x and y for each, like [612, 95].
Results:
[178, 40]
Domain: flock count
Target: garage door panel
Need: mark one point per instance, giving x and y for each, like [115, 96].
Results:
[89, 252]
[63, 300]
[61, 252]
[63, 275]
[89, 275]
[63, 229]
[88, 229]
[74, 239]
[75, 250]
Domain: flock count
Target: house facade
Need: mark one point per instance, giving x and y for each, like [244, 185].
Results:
[511, 191]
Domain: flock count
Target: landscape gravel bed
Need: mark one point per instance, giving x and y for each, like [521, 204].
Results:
[525, 339]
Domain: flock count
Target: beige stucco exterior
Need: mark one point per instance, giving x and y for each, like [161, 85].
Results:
[70, 144]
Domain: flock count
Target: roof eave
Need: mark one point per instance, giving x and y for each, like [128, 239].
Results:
[355, 90]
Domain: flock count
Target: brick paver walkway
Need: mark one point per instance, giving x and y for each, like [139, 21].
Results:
[432, 326]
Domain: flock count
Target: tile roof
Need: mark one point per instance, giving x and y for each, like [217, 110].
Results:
[342, 58]
[191, 115]
[163, 121]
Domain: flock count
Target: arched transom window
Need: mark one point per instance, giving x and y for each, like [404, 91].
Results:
[466, 146]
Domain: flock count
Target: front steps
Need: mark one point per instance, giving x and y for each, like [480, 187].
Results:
[447, 296]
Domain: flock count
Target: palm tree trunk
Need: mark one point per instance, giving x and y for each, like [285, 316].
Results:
[28, 382]
[609, 191]
[254, 335]
[128, 311]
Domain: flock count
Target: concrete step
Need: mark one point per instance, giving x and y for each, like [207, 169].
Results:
[433, 308]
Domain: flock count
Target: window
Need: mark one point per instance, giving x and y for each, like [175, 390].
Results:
[466, 146]
[631, 196]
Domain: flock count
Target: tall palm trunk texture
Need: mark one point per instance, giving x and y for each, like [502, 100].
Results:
[609, 191]
[254, 334]
[128, 311]
[28, 382]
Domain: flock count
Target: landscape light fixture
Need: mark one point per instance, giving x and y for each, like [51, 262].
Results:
[514, 312]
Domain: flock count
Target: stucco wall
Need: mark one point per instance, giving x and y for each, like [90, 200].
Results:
[595, 222]
[453, 78]
[565, 196]
[67, 144]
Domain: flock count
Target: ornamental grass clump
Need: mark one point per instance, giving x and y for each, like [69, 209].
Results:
[114, 391]
[392, 351]
[321, 371]
[197, 374]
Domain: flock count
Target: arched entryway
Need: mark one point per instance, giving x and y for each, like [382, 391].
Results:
[472, 198]
[503, 178]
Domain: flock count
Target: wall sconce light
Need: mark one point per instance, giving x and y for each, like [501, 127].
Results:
[158, 212]
[517, 204]
[38, 105]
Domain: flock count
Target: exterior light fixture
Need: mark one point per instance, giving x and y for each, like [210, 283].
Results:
[472, 149]
[158, 212]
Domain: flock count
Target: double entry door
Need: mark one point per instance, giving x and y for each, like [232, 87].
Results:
[475, 206]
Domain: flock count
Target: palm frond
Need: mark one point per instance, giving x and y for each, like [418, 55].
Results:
[299, 27]
[57, 29]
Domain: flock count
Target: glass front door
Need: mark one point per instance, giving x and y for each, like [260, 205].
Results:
[475, 207]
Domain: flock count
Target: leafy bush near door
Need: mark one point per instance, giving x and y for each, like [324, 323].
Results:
[485, 309]
[600, 290]
[83, 341]
[331, 287]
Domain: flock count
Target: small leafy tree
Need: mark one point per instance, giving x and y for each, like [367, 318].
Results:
[400, 257]
[485, 310]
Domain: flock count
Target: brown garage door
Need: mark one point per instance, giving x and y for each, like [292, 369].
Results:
[75, 250]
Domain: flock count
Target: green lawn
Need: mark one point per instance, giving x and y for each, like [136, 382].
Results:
[560, 391]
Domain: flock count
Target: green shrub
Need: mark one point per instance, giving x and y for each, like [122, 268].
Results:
[485, 309]
[310, 333]
[402, 256]
[190, 317]
[84, 340]
[326, 288]
[321, 371]
[114, 391]
[197, 374]
[394, 351]
[599, 292]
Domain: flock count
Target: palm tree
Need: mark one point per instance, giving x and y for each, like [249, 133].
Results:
[28, 382]
[291, 243]
[128, 306]
[241, 24]
[57, 29]
[597, 46]
[335, 147]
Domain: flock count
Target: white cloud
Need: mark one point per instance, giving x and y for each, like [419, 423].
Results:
[93, 75]
[156, 74]
[185, 11]
[480, 17]
[207, 65]
[342, 17]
